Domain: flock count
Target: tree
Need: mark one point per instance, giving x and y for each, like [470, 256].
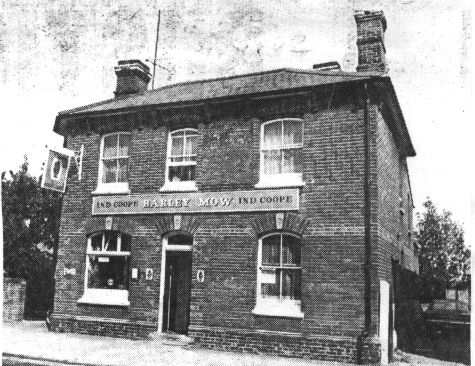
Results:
[30, 234]
[444, 259]
[30, 222]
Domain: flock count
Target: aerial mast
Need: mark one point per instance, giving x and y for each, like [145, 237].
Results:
[156, 48]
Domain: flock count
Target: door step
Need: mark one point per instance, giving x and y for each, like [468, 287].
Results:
[171, 339]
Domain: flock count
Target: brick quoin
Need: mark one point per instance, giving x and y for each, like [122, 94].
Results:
[330, 219]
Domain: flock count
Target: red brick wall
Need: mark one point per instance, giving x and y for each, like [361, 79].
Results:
[225, 245]
[13, 299]
[394, 205]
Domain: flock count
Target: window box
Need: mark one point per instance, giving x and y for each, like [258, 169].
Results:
[281, 180]
[189, 186]
[112, 188]
[105, 297]
[278, 308]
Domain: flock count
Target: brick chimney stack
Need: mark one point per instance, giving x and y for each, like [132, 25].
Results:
[371, 26]
[133, 77]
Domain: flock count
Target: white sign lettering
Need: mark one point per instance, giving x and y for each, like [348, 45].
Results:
[176, 203]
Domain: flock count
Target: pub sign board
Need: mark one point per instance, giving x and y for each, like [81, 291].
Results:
[203, 202]
[56, 169]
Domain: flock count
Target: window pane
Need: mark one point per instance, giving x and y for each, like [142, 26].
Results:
[272, 162]
[191, 145]
[183, 158]
[271, 250]
[292, 161]
[96, 242]
[291, 250]
[123, 170]
[109, 174]
[270, 283]
[272, 135]
[110, 146]
[177, 145]
[124, 142]
[110, 244]
[108, 272]
[292, 132]
[180, 239]
[125, 243]
[181, 173]
[291, 284]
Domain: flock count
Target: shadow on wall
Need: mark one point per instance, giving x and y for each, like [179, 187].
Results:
[39, 295]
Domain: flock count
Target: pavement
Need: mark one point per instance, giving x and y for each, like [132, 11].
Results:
[30, 343]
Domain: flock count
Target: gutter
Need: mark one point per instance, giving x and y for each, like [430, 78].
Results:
[367, 211]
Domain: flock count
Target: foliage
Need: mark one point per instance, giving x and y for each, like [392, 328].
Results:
[444, 259]
[30, 223]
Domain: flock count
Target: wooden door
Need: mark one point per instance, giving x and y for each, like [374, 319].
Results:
[176, 307]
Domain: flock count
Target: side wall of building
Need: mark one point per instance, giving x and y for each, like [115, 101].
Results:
[395, 259]
[395, 206]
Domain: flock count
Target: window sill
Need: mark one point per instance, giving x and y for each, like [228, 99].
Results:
[279, 309]
[280, 181]
[112, 188]
[179, 187]
[105, 297]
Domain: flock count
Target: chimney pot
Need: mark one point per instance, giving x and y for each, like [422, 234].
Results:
[370, 26]
[327, 66]
[133, 77]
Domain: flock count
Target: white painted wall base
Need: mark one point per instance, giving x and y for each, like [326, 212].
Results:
[384, 321]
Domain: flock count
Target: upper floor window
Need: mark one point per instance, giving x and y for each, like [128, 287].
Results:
[107, 268]
[279, 276]
[114, 163]
[281, 153]
[181, 160]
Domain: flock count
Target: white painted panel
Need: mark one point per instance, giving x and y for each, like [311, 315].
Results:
[384, 321]
[197, 202]
[268, 278]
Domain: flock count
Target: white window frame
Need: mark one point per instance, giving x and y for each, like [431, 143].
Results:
[186, 186]
[99, 296]
[114, 187]
[283, 179]
[280, 307]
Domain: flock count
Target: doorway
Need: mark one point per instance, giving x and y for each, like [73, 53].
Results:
[177, 292]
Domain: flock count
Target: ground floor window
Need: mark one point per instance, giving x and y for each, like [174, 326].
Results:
[279, 276]
[107, 268]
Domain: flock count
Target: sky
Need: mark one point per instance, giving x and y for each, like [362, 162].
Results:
[56, 55]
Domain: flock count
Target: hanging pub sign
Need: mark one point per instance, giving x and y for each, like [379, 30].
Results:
[197, 202]
[57, 167]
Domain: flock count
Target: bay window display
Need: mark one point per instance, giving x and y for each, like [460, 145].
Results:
[279, 276]
[107, 268]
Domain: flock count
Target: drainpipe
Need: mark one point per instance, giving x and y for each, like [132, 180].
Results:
[367, 211]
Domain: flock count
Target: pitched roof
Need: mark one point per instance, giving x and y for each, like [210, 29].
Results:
[222, 88]
[200, 90]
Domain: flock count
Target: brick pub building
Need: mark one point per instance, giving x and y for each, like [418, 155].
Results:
[264, 212]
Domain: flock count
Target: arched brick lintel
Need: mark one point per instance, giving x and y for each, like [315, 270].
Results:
[166, 224]
[266, 223]
[122, 224]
